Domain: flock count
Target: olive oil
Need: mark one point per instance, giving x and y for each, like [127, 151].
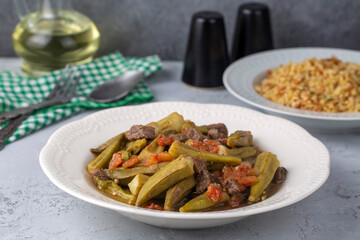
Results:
[47, 42]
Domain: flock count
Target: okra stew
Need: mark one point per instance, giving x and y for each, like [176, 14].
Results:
[175, 165]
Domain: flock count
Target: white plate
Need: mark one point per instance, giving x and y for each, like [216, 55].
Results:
[241, 76]
[66, 155]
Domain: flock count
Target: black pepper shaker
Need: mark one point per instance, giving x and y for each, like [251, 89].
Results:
[207, 55]
[252, 30]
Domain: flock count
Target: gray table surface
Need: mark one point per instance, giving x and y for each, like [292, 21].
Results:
[31, 207]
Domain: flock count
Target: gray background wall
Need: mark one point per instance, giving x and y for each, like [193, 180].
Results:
[143, 27]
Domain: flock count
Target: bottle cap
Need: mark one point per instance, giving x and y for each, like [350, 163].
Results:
[206, 55]
[252, 30]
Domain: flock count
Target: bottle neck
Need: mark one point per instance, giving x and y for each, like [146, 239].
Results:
[53, 8]
[47, 8]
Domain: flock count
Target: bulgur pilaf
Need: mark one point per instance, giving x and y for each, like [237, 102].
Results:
[326, 85]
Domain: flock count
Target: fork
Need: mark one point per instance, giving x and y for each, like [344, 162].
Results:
[63, 92]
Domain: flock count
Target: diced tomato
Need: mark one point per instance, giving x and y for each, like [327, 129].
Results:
[212, 145]
[224, 140]
[243, 174]
[115, 161]
[163, 157]
[165, 140]
[214, 193]
[210, 142]
[158, 158]
[131, 162]
[150, 161]
[246, 169]
[213, 149]
[242, 188]
[206, 145]
[196, 144]
[247, 181]
[154, 206]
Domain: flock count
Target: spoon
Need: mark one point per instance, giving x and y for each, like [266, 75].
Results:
[109, 91]
[116, 88]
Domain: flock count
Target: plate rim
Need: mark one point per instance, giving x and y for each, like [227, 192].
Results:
[313, 115]
[176, 215]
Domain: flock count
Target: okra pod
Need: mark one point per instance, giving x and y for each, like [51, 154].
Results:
[240, 139]
[178, 191]
[102, 147]
[202, 202]
[124, 173]
[189, 124]
[165, 178]
[150, 150]
[136, 184]
[242, 152]
[115, 191]
[134, 147]
[178, 148]
[173, 121]
[102, 161]
[157, 128]
[266, 163]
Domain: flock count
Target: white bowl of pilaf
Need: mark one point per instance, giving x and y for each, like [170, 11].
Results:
[319, 88]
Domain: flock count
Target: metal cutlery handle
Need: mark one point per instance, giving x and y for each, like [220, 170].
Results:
[25, 110]
[7, 131]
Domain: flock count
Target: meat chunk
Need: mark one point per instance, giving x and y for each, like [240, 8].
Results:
[192, 133]
[140, 131]
[202, 182]
[280, 175]
[203, 178]
[180, 137]
[199, 165]
[219, 175]
[214, 134]
[179, 204]
[99, 173]
[232, 186]
[239, 199]
[217, 131]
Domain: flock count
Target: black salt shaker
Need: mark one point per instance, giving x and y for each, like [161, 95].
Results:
[206, 55]
[252, 31]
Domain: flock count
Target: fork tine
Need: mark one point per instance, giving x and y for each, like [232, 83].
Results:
[70, 87]
[58, 82]
[76, 83]
[66, 83]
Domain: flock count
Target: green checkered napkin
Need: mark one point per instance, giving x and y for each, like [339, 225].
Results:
[19, 91]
